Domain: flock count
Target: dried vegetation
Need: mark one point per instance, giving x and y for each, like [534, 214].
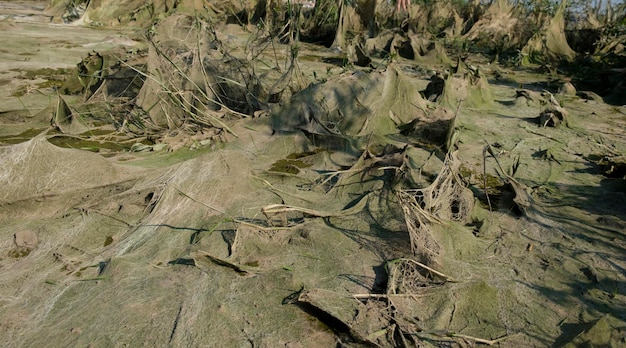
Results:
[343, 168]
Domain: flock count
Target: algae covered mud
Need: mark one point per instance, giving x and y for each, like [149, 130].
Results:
[193, 173]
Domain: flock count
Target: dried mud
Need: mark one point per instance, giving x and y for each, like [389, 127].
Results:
[280, 233]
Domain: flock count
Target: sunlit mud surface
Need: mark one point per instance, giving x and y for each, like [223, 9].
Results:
[353, 212]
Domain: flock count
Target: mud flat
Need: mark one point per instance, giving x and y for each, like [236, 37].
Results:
[36, 52]
[211, 183]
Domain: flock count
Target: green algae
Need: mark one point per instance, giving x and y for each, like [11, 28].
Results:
[22, 137]
[85, 144]
[291, 164]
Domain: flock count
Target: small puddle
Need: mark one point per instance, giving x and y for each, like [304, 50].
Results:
[88, 145]
[22, 137]
[293, 162]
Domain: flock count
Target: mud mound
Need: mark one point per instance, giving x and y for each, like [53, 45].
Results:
[550, 43]
[469, 87]
[359, 104]
[131, 12]
[437, 20]
[500, 25]
[210, 78]
[37, 168]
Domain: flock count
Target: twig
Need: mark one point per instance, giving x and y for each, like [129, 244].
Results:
[92, 279]
[220, 262]
[339, 172]
[202, 203]
[233, 219]
[543, 135]
[487, 147]
[449, 336]
[82, 210]
[156, 266]
[219, 122]
[481, 340]
[447, 278]
[274, 189]
[283, 208]
[386, 296]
